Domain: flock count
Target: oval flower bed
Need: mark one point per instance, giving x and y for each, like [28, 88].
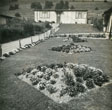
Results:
[63, 82]
[71, 48]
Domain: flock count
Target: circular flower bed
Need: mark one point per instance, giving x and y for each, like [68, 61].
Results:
[71, 48]
[62, 82]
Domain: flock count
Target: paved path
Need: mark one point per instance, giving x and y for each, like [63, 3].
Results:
[17, 95]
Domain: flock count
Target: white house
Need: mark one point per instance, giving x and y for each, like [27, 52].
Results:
[61, 16]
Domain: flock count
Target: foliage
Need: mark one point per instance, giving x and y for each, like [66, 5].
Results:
[63, 92]
[52, 81]
[79, 79]
[47, 25]
[36, 5]
[17, 14]
[51, 89]
[98, 23]
[28, 29]
[72, 7]
[56, 76]
[68, 79]
[90, 83]
[48, 4]
[14, 7]
[77, 39]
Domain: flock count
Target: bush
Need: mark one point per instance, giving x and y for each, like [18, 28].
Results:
[51, 89]
[18, 74]
[42, 85]
[11, 53]
[36, 5]
[28, 70]
[35, 81]
[48, 4]
[55, 76]
[80, 87]
[63, 92]
[79, 79]
[98, 23]
[17, 14]
[72, 91]
[79, 71]
[68, 79]
[6, 55]
[52, 81]
[46, 77]
[90, 83]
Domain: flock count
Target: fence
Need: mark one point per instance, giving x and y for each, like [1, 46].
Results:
[7, 47]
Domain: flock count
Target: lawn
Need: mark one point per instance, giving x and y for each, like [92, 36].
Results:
[18, 95]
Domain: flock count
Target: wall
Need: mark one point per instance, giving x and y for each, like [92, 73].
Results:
[74, 17]
[2, 20]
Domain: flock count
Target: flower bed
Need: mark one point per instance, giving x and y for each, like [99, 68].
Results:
[71, 48]
[63, 82]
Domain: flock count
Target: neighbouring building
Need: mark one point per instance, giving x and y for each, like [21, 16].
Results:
[61, 16]
[4, 19]
[107, 16]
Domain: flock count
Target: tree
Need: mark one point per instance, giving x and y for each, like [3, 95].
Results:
[36, 5]
[66, 5]
[48, 5]
[72, 7]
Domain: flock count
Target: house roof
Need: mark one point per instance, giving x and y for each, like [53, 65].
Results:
[59, 10]
[6, 16]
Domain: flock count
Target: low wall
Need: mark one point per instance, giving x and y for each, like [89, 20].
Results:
[7, 47]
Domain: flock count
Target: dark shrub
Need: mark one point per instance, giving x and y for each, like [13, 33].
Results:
[55, 76]
[51, 89]
[89, 74]
[42, 86]
[43, 69]
[100, 80]
[72, 91]
[79, 79]
[105, 78]
[35, 81]
[80, 87]
[46, 77]
[90, 83]
[63, 92]
[60, 65]
[39, 68]
[6, 55]
[11, 53]
[28, 70]
[68, 79]
[18, 74]
[52, 66]
[52, 81]
[79, 71]
[17, 14]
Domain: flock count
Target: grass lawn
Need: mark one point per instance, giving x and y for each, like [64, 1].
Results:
[18, 95]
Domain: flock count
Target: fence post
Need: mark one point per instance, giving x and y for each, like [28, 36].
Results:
[19, 43]
[31, 40]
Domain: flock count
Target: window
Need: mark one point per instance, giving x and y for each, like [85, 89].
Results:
[44, 14]
[78, 15]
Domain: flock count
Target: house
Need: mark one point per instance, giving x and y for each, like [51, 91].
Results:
[4, 19]
[107, 22]
[61, 16]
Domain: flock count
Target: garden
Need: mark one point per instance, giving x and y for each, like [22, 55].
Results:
[72, 47]
[63, 82]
